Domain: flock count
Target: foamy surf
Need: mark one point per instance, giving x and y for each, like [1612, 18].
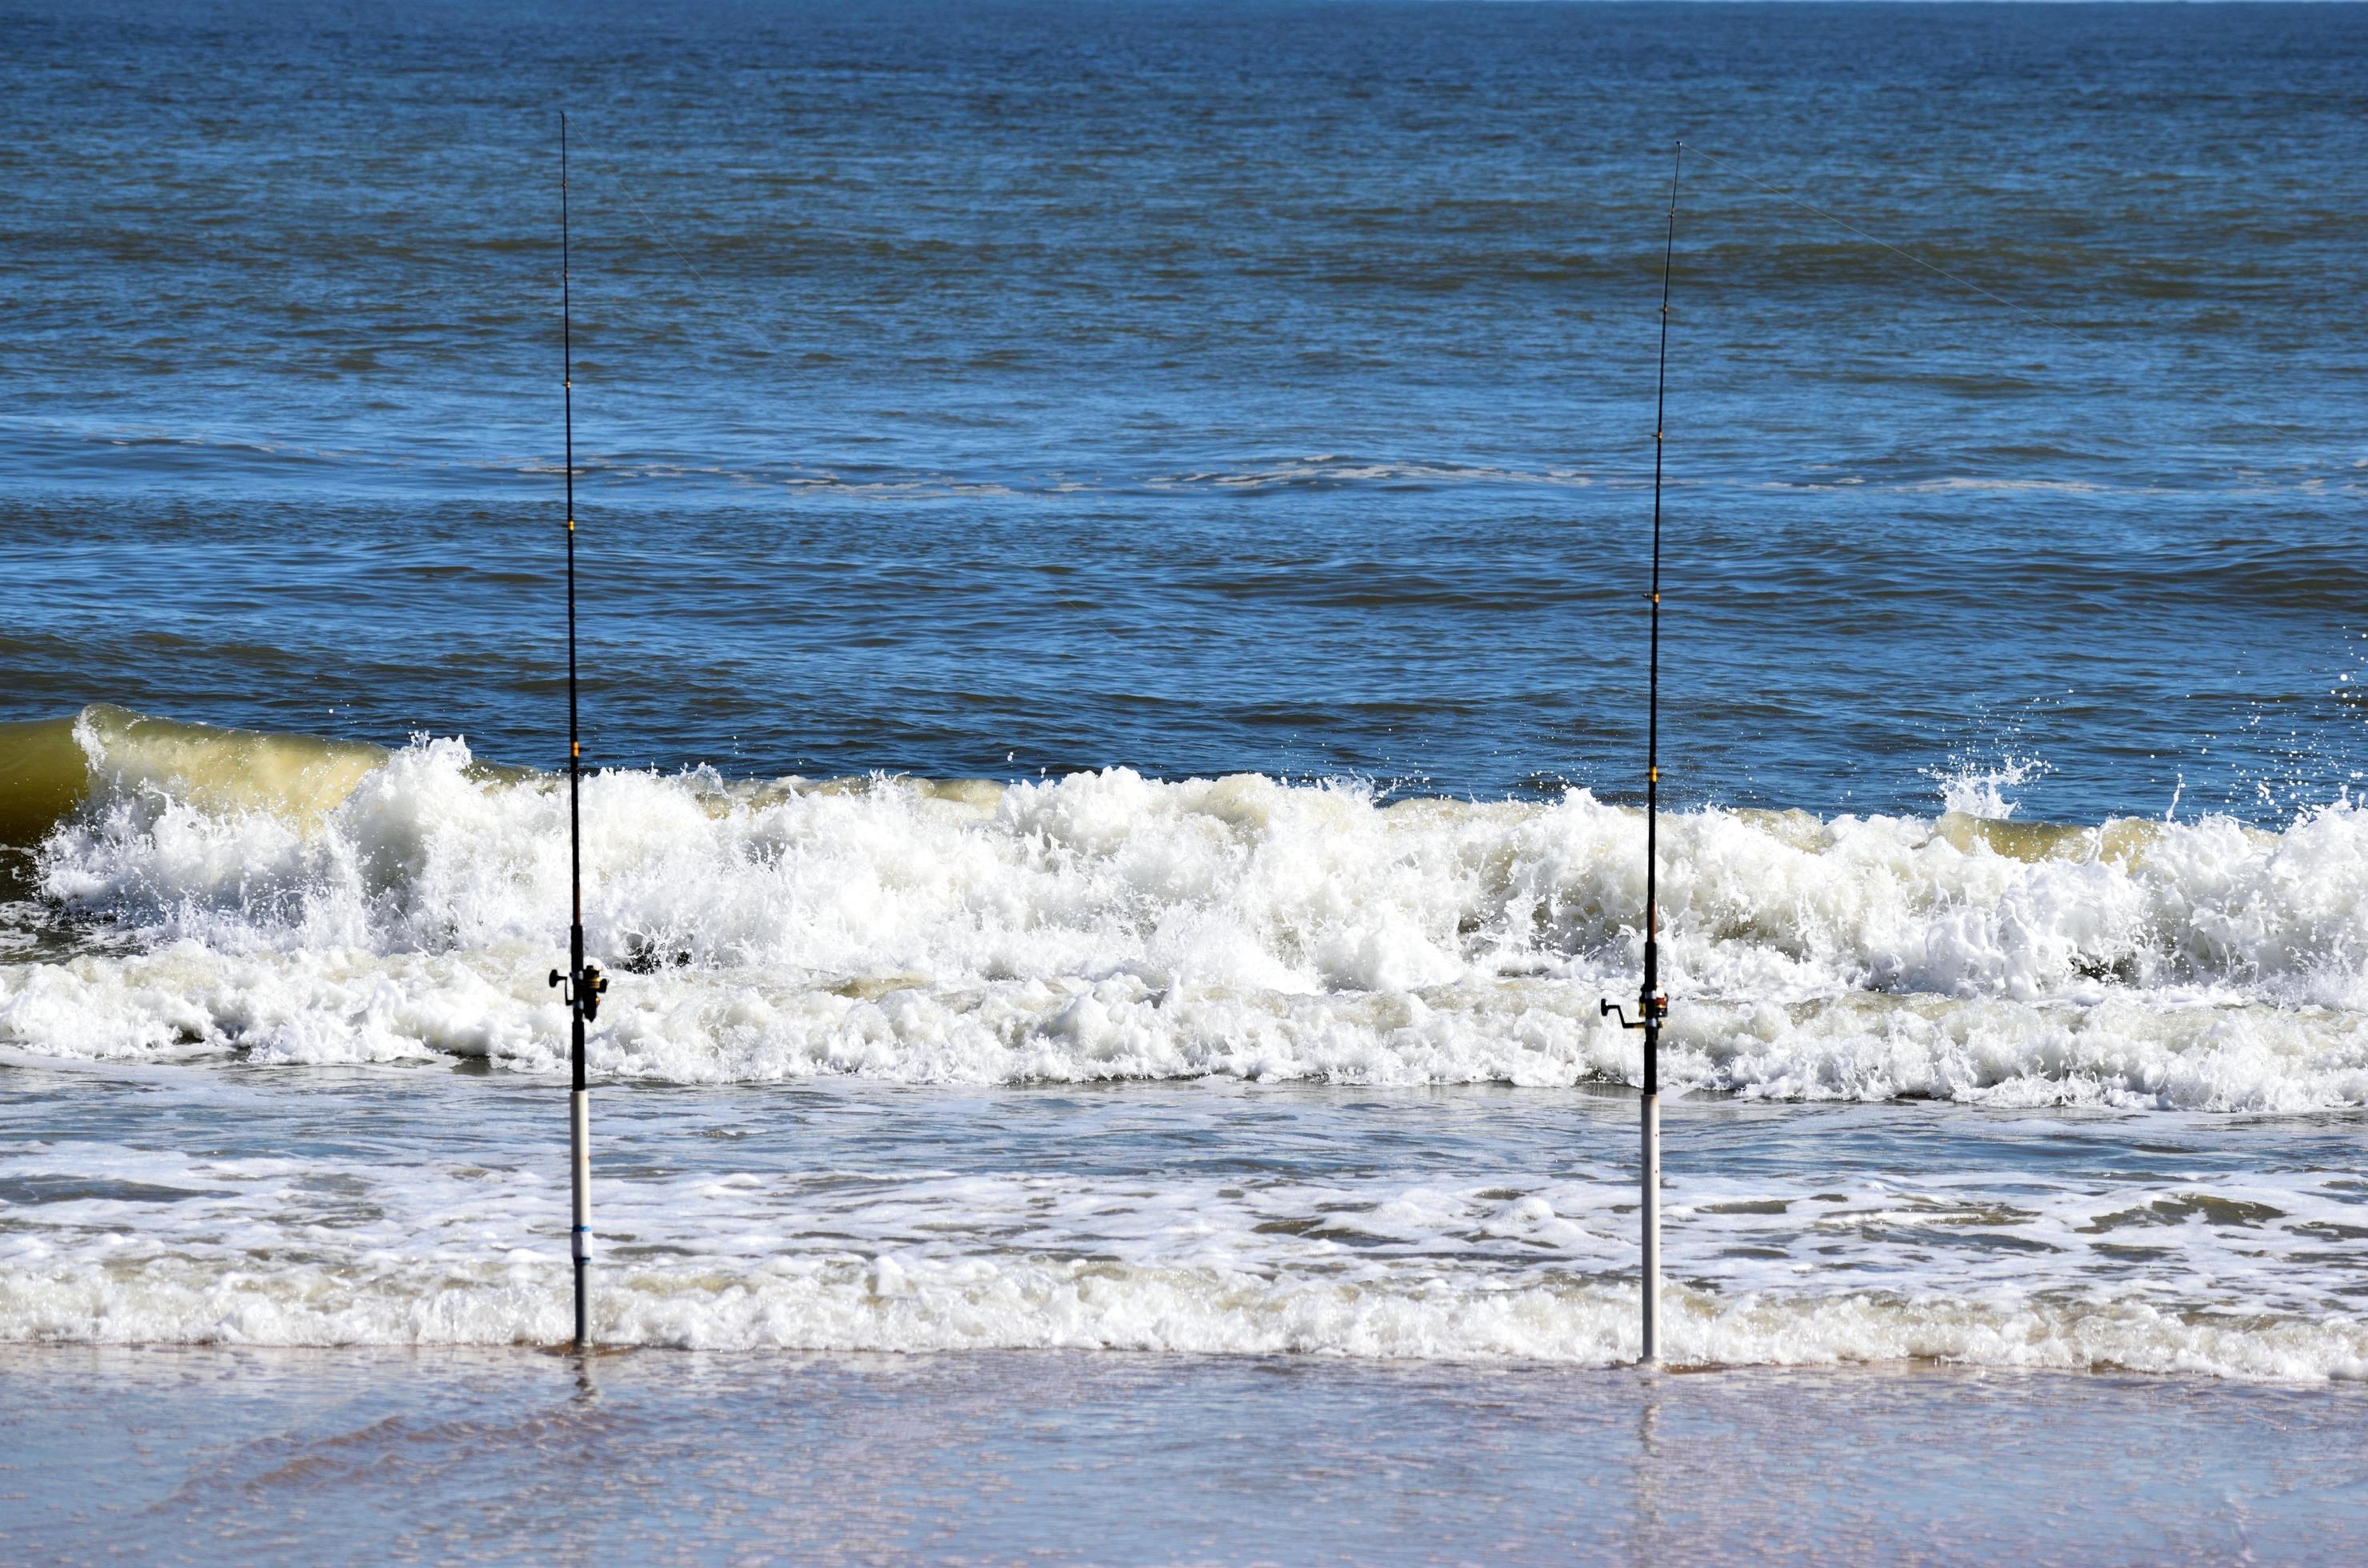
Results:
[845, 1303]
[387, 1214]
[290, 902]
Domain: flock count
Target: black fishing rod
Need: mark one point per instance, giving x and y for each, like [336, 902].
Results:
[1652, 1003]
[582, 984]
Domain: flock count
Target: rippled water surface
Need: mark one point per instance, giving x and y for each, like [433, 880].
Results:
[971, 390]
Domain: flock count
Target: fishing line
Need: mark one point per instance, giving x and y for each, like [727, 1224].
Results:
[659, 234]
[1885, 244]
[649, 225]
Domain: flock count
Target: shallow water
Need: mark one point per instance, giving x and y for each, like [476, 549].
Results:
[1062, 1457]
[316, 1206]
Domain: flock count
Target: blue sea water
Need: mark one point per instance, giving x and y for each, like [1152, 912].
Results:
[975, 390]
[1113, 544]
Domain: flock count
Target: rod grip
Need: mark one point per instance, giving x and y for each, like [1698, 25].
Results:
[579, 1141]
[1649, 1218]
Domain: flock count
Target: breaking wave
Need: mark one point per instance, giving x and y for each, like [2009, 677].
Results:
[208, 892]
[847, 1303]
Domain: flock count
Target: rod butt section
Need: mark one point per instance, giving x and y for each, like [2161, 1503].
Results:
[1649, 1190]
[579, 1139]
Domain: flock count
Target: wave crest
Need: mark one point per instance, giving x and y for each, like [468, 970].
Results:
[1110, 924]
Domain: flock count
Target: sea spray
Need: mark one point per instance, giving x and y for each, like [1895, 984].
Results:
[1109, 926]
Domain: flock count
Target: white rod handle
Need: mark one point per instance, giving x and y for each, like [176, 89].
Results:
[1651, 1210]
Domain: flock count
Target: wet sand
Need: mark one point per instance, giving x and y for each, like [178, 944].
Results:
[206, 1454]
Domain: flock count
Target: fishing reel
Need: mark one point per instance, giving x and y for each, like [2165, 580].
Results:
[1651, 1008]
[590, 985]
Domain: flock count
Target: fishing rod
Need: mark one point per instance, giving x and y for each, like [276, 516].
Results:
[1652, 1002]
[582, 984]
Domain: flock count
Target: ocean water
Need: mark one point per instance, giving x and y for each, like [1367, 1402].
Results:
[1113, 546]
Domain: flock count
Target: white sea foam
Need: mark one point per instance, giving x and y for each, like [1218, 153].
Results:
[132, 1244]
[806, 1304]
[1109, 926]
